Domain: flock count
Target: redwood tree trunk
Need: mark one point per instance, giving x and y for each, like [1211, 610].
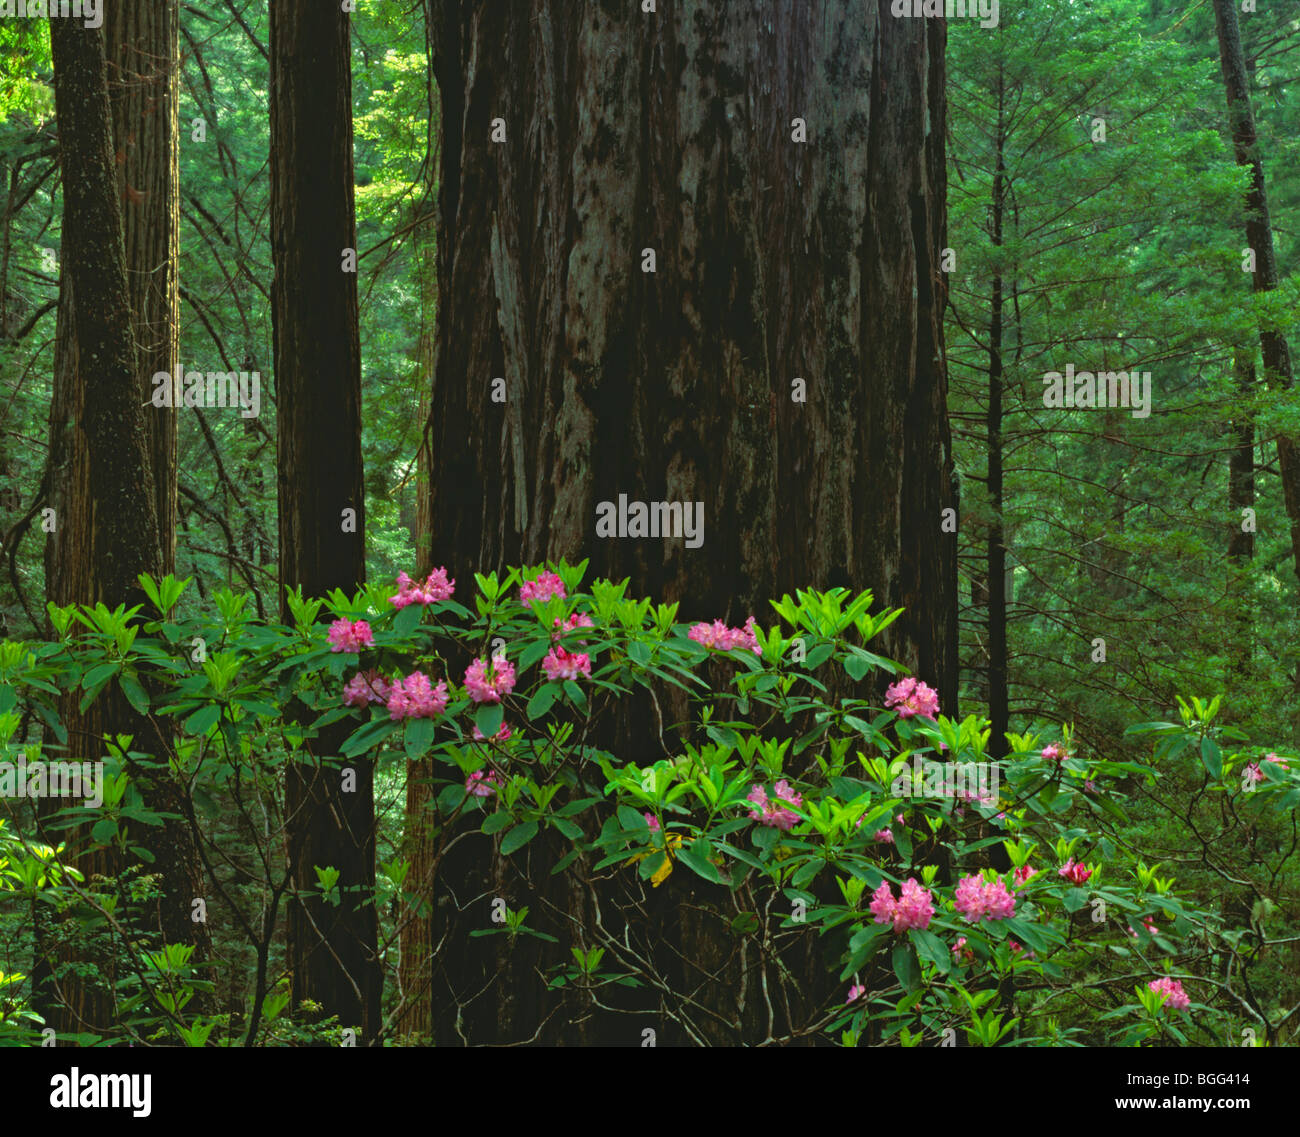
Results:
[332, 950]
[999, 696]
[102, 485]
[1259, 237]
[776, 260]
[142, 43]
[781, 265]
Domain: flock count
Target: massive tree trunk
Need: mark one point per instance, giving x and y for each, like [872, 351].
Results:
[1259, 238]
[782, 363]
[332, 950]
[776, 260]
[102, 481]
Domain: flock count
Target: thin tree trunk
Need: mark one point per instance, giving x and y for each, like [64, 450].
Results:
[999, 699]
[142, 42]
[1259, 238]
[1241, 497]
[333, 951]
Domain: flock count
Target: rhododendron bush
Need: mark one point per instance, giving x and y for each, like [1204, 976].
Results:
[783, 857]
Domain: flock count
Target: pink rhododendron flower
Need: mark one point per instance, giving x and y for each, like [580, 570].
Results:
[912, 909]
[365, 687]
[561, 664]
[719, 637]
[1272, 757]
[910, 697]
[962, 953]
[974, 797]
[435, 587]
[487, 685]
[1054, 753]
[884, 836]
[1074, 873]
[344, 635]
[1147, 923]
[416, 698]
[482, 783]
[1254, 773]
[548, 584]
[501, 735]
[1016, 949]
[855, 992]
[577, 620]
[1023, 873]
[1172, 989]
[978, 899]
[652, 821]
[769, 812]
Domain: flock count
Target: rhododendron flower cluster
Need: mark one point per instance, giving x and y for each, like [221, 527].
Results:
[501, 735]
[979, 899]
[345, 635]
[855, 992]
[1148, 923]
[435, 587]
[543, 588]
[652, 821]
[482, 783]
[487, 684]
[415, 697]
[1254, 773]
[912, 909]
[718, 637]
[961, 952]
[769, 812]
[1272, 757]
[884, 836]
[1054, 753]
[577, 620]
[561, 664]
[1023, 873]
[365, 687]
[910, 697]
[1175, 996]
[1074, 873]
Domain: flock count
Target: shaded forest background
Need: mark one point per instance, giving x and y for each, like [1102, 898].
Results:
[1096, 215]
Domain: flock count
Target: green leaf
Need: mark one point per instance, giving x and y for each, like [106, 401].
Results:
[570, 829]
[488, 718]
[136, 695]
[419, 737]
[97, 676]
[202, 720]
[496, 821]
[932, 949]
[450, 797]
[542, 699]
[104, 830]
[905, 966]
[856, 667]
[698, 862]
[406, 621]
[518, 837]
[1028, 933]
[368, 735]
[1212, 757]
